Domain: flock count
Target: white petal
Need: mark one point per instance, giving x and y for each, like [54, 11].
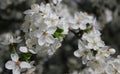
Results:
[33, 52]
[84, 60]
[90, 45]
[25, 65]
[82, 26]
[10, 65]
[74, 26]
[50, 39]
[77, 53]
[51, 30]
[81, 46]
[14, 57]
[55, 1]
[29, 12]
[16, 70]
[35, 7]
[38, 33]
[23, 49]
[41, 41]
[101, 44]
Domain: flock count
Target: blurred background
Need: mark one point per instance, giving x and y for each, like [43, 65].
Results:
[107, 13]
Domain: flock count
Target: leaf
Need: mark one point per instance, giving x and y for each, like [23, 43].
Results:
[26, 57]
[58, 33]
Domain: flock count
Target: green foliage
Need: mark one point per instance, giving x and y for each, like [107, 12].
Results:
[26, 57]
[88, 29]
[58, 33]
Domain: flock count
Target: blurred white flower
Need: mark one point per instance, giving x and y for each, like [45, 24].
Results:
[93, 39]
[15, 65]
[24, 49]
[83, 52]
[111, 50]
[34, 9]
[8, 38]
[108, 15]
[80, 20]
[54, 47]
[51, 20]
[45, 10]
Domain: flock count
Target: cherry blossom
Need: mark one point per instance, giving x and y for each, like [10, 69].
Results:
[15, 65]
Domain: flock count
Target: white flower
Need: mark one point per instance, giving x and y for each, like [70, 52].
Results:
[91, 35]
[108, 15]
[96, 44]
[34, 9]
[30, 42]
[8, 38]
[93, 39]
[45, 36]
[110, 70]
[45, 9]
[52, 20]
[83, 52]
[97, 65]
[15, 65]
[54, 47]
[80, 20]
[113, 66]
[24, 49]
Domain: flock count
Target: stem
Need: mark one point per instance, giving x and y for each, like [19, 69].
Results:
[14, 50]
[46, 1]
[77, 34]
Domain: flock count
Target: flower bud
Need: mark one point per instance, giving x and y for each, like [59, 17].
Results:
[111, 51]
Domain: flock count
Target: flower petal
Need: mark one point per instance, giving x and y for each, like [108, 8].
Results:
[37, 34]
[77, 53]
[10, 65]
[16, 70]
[14, 57]
[25, 65]
[29, 12]
[51, 30]
[74, 26]
[81, 45]
[41, 41]
[23, 49]
[50, 39]
[33, 52]
[82, 26]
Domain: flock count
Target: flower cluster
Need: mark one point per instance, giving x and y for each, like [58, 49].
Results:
[95, 54]
[9, 38]
[46, 25]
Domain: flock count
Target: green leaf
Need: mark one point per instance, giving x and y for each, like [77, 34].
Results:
[26, 57]
[88, 29]
[58, 33]
[59, 30]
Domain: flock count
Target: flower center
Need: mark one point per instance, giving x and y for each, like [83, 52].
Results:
[94, 43]
[53, 20]
[44, 33]
[78, 21]
[18, 63]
